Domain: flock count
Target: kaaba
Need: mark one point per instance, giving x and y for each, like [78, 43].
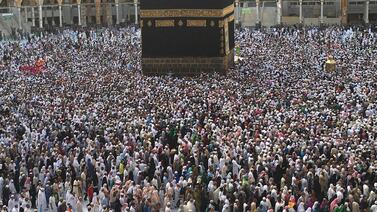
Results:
[187, 37]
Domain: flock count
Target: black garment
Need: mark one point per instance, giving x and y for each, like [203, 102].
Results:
[277, 175]
[151, 168]
[62, 207]
[90, 169]
[116, 206]
[33, 194]
[364, 204]
[22, 182]
[48, 193]
[63, 173]
[16, 180]
[317, 187]
[6, 195]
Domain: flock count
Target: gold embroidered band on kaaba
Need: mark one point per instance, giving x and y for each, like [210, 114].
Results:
[190, 23]
[185, 60]
[196, 23]
[229, 19]
[189, 13]
[164, 23]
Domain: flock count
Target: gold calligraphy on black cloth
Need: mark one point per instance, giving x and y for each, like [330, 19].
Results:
[187, 13]
[186, 17]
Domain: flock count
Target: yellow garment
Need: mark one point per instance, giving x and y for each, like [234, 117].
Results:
[121, 168]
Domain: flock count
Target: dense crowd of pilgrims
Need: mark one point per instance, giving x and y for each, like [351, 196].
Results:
[277, 133]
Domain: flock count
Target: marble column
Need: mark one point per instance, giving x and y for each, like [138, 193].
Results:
[128, 12]
[366, 12]
[237, 12]
[117, 11]
[98, 11]
[79, 12]
[108, 13]
[301, 17]
[19, 17]
[26, 14]
[53, 16]
[344, 11]
[40, 3]
[60, 2]
[321, 18]
[40, 16]
[18, 5]
[32, 16]
[258, 11]
[136, 15]
[278, 13]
